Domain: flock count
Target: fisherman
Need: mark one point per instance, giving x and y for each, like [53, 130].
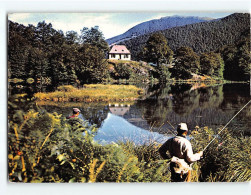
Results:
[181, 153]
[75, 113]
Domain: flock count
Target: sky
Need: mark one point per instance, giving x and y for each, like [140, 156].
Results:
[111, 24]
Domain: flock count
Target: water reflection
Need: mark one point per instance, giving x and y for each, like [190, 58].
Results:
[115, 128]
[201, 106]
[172, 104]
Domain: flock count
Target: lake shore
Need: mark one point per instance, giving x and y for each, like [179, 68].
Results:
[37, 153]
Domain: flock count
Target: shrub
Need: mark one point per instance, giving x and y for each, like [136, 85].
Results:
[227, 159]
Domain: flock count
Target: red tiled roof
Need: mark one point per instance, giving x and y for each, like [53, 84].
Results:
[119, 49]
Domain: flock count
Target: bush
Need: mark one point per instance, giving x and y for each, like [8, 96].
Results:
[122, 71]
[227, 159]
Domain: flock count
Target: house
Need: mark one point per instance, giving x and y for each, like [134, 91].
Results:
[119, 52]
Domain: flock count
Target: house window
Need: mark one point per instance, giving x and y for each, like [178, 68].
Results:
[113, 55]
[126, 55]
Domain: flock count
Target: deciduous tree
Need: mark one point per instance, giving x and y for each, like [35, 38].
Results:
[212, 64]
[156, 50]
[186, 63]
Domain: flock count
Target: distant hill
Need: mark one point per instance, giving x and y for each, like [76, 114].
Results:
[201, 37]
[156, 25]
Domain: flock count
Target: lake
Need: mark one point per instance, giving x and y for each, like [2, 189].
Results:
[156, 115]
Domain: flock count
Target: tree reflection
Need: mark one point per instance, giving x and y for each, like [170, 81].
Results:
[95, 114]
[176, 103]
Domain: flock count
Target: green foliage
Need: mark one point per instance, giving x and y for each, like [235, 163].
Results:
[42, 52]
[122, 71]
[156, 50]
[212, 64]
[66, 88]
[72, 37]
[91, 66]
[186, 63]
[202, 37]
[227, 159]
[131, 71]
[164, 73]
[46, 147]
[230, 35]
[237, 59]
[94, 37]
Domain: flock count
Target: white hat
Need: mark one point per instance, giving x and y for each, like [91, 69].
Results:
[182, 126]
[76, 110]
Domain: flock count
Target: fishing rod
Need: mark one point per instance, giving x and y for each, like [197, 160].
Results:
[226, 125]
[171, 126]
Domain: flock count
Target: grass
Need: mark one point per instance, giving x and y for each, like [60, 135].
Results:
[92, 93]
[79, 104]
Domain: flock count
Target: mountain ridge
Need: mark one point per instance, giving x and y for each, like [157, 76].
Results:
[156, 25]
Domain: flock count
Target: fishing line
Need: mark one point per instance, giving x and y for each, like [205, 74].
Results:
[226, 125]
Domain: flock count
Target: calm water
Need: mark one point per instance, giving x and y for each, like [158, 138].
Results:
[161, 108]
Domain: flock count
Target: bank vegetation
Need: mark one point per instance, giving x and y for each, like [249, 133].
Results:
[46, 147]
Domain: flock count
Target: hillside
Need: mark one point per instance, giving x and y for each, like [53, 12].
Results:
[201, 37]
[130, 70]
[156, 25]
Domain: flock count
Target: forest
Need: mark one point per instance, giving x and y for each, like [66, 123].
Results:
[42, 55]
[201, 37]
[229, 37]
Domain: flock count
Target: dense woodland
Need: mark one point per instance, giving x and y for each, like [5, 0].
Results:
[228, 37]
[42, 56]
[201, 37]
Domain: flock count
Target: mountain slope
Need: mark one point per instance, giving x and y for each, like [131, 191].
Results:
[156, 25]
[201, 37]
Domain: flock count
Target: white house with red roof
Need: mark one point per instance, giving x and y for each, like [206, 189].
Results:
[119, 52]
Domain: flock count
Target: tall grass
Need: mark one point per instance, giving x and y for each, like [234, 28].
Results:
[92, 93]
[227, 159]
